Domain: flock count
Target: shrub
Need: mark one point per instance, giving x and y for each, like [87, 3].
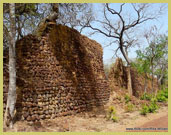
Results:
[153, 107]
[166, 93]
[146, 96]
[144, 110]
[127, 98]
[111, 114]
[129, 107]
[112, 110]
[162, 95]
[115, 118]
[161, 98]
[154, 99]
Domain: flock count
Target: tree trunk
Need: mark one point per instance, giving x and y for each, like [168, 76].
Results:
[125, 56]
[160, 80]
[152, 79]
[129, 84]
[11, 100]
[145, 84]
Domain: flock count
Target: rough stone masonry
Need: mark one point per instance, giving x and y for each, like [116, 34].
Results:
[58, 74]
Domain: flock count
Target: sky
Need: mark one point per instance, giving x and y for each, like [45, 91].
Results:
[108, 52]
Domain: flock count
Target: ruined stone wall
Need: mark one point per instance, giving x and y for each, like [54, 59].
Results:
[118, 79]
[59, 74]
[118, 75]
[138, 81]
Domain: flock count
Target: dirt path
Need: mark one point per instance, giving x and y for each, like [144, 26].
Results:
[127, 120]
[156, 125]
[96, 122]
[152, 123]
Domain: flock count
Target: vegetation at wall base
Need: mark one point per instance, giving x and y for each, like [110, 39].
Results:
[144, 110]
[146, 96]
[151, 108]
[111, 114]
[162, 95]
[127, 98]
[129, 107]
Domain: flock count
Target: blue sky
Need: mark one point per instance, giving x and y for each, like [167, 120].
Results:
[108, 52]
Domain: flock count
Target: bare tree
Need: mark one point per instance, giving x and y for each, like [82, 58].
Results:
[11, 100]
[123, 27]
[26, 16]
[30, 15]
[75, 14]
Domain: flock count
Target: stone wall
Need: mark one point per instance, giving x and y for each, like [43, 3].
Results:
[138, 81]
[58, 74]
[118, 74]
[118, 79]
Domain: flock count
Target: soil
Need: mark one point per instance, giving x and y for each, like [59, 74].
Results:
[96, 122]
[159, 124]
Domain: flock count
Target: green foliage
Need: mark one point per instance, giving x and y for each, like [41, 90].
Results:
[127, 98]
[129, 107]
[144, 110]
[111, 114]
[166, 93]
[142, 65]
[26, 16]
[153, 99]
[156, 56]
[115, 118]
[26, 9]
[162, 95]
[161, 98]
[153, 107]
[146, 96]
